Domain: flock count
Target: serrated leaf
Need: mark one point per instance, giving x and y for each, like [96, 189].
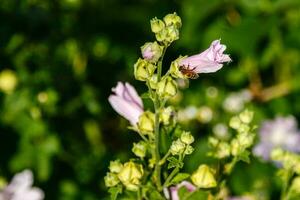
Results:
[174, 162]
[179, 177]
[115, 191]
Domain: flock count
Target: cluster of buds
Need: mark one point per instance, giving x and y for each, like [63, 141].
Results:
[290, 161]
[183, 144]
[166, 30]
[290, 171]
[129, 174]
[245, 137]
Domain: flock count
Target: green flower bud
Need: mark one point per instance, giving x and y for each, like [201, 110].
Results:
[130, 175]
[146, 122]
[162, 35]
[153, 81]
[152, 51]
[167, 87]
[187, 137]
[243, 128]
[235, 122]
[295, 186]
[115, 166]
[173, 19]
[143, 70]
[165, 115]
[111, 179]
[157, 25]
[235, 147]
[245, 140]
[177, 147]
[223, 150]
[246, 116]
[152, 162]
[140, 149]
[189, 150]
[8, 81]
[204, 177]
[172, 34]
[174, 69]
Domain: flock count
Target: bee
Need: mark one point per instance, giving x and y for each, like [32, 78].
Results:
[188, 72]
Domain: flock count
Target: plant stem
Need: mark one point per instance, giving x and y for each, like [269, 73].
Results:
[163, 160]
[170, 177]
[157, 109]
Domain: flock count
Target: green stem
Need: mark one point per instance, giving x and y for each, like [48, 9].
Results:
[157, 109]
[170, 177]
[163, 160]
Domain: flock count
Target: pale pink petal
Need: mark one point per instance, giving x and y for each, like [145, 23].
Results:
[125, 109]
[134, 95]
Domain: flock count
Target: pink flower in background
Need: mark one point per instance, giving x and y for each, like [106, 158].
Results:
[282, 132]
[210, 60]
[20, 188]
[126, 102]
[172, 192]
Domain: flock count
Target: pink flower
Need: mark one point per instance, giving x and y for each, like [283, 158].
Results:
[126, 102]
[20, 188]
[210, 60]
[173, 191]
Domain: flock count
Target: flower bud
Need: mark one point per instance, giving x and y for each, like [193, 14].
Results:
[235, 122]
[146, 122]
[246, 116]
[130, 175]
[189, 150]
[152, 162]
[139, 149]
[157, 25]
[243, 128]
[151, 51]
[8, 81]
[295, 186]
[165, 115]
[174, 69]
[187, 138]
[143, 70]
[153, 81]
[172, 34]
[167, 87]
[111, 179]
[173, 19]
[235, 147]
[162, 35]
[204, 177]
[177, 147]
[245, 140]
[115, 166]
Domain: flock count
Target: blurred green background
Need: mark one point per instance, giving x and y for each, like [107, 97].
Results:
[59, 60]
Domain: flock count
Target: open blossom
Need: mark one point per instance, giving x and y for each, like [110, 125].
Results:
[126, 102]
[281, 132]
[172, 192]
[20, 188]
[210, 60]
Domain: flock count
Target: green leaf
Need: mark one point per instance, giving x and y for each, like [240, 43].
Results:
[115, 191]
[179, 177]
[174, 162]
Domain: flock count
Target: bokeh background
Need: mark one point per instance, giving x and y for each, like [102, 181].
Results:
[59, 60]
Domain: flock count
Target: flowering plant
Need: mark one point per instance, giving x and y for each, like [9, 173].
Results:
[156, 171]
